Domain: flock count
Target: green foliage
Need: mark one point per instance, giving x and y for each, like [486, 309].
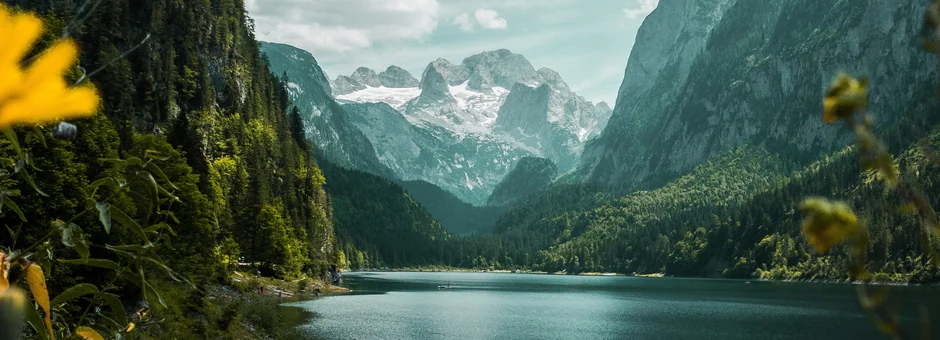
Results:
[204, 161]
[455, 215]
[734, 217]
[379, 222]
[278, 249]
[530, 175]
[121, 210]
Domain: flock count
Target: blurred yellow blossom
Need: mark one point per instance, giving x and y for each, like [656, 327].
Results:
[4, 272]
[37, 93]
[827, 223]
[845, 97]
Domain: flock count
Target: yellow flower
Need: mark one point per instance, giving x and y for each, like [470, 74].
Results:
[4, 272]
[845, 97]
[37, 94]
[827, 223]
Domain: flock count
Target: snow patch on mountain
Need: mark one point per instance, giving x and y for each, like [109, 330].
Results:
[295, 89]
[471, 122]
[394, 97]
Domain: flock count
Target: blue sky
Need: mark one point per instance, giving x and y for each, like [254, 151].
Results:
[586, 41]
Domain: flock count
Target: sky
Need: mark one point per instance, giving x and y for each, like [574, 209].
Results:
[586, 41]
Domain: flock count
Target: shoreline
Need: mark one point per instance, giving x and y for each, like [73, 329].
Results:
[646, 275]
[298, 289]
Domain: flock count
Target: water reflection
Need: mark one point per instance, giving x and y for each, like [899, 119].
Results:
[519, 306]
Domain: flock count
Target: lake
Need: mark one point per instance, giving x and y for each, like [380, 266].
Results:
[527, 306]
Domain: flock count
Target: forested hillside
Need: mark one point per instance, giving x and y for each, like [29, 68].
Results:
[379, 225]
[457, 216]
[200, 95]
[530, 175]
[733, 217]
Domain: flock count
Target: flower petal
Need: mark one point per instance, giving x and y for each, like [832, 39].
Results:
[52, 63]
[22, 32]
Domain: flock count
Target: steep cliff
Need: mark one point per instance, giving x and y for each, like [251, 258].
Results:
[707, 76]
[327, 124]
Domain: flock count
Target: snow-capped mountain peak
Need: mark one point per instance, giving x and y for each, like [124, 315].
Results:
[477, 118]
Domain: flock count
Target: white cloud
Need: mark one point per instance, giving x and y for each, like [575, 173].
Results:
[342, 25]
[489, 19]
[464, 22]
[640, 9]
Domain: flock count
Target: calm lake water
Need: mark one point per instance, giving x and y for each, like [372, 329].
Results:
[525, 306]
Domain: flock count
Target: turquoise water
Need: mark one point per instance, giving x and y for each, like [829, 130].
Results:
[524, 306]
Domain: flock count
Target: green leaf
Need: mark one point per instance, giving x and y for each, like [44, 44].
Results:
[101, 263]
[128, 222]
[37, 133]
[104, 215]
[76, 291]
[126, 254]
[156, 228]
[80, 241]
[169, 271]
[152, 183]
[154, 293]
[140, 198]
[115, 161]
[143, 282]
[171, 215]
[151, 154]
[108, 181]
[12, 205]
[128, 247]
[67, 232]
[117, 307]
[7, 162]
[155, 170]
[132, 277]
[11, 136]
[29, 179]
[134, 161]
[34, 320]
[81, 247]
[114, 324]
[168, 194]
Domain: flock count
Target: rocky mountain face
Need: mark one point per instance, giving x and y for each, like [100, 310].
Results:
[551, 118]
[327, 123]
[529, 176]
[462, 127]
[364, 78]
[476, 119]
[709, 75]
[460, 163]
[397, 77]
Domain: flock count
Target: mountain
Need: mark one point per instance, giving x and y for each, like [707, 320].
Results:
[707, 76]
[327, 124]
[364, 78]
[477, 119]
[397, 77]
[455, 215]
[433, 153]
[378, 224]
[529, 176]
